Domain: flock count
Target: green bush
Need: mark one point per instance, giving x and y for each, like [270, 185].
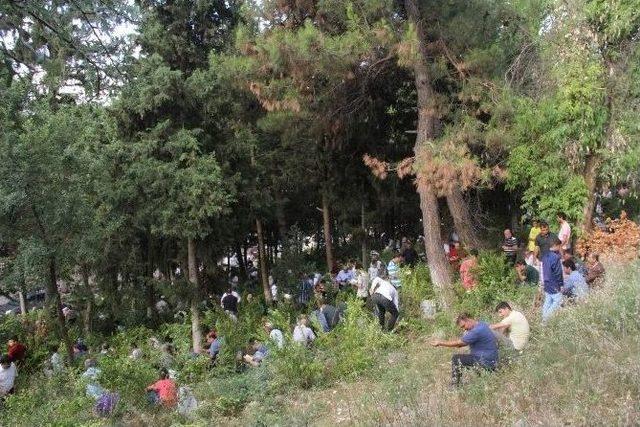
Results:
[416, 287]
[295, 366]
[496, 282]
[355, 343]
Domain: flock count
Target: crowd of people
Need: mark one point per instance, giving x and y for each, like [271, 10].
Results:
[546, 260]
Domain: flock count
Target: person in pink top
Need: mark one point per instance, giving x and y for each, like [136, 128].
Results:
[467, 270]
[163, 392]
[565, 231]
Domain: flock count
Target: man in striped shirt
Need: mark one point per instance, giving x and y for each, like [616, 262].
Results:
[510, 247]
[393, 270]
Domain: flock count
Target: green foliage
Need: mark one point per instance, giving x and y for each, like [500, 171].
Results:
[416, 287]
[296, 366]
[496, 282]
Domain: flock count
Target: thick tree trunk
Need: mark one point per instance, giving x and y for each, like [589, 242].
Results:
[55, 304]
[462, 221]
[264, 276]
[427, 129]
[326, 224]
[590, 174]
[196, 332]
[439, 268]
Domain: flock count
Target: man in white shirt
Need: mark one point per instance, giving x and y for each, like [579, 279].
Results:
[8, 374]
[302, 333]
[385, 296]
[513, 329]
[564, 234]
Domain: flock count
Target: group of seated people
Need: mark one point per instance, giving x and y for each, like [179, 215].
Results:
[484, 340]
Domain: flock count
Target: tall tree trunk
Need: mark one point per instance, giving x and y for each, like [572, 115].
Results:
[363, 226]
[196, 331]
[438, 265]
[462, 221]
[590, 174]
[241, 264]
[326, 224]
[263, 263]
[55, 305]
[427, 129]
[89, 304]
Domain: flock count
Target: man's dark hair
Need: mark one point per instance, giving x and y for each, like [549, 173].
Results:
[4, 360]
[520, 262]
[463, 316]
[555, 241]
[164, 374]
[543, 223]
[473, 252]
[562, 216]
[596, 256]
[503, 305]
[14, 338]
[569, 264]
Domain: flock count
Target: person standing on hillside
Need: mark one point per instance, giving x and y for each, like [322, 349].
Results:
[385, 297]
[376, 266]
[565, 232]
[544, 240]
[409, 255]
[510, 247]
[533, 233]
[513, 329]
[393, 270]
[552, 279]
[482, 343]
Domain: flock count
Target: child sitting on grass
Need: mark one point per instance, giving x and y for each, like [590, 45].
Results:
[163, 392]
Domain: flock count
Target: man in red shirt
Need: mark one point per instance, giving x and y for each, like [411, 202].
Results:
[15, 350]
[164, 390]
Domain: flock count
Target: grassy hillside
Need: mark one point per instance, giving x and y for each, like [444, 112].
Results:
[582, 368]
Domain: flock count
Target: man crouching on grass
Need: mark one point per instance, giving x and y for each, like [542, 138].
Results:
[481, 342]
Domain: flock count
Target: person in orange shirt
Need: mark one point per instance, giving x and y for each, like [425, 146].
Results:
[467, 275]
[164, 391]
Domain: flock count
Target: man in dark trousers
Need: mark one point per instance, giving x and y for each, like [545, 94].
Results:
[482, 343]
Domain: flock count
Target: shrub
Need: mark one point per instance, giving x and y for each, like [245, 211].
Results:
[295, 366]
[496, 282]
[416, 287]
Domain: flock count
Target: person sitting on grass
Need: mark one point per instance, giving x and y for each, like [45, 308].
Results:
[482, 343]
[8, 374]
[302, 333]
[575, 287]
[527, 274]
[93, 389]
[467, 270]
[275, 334]
[163, 392]
[385, 298]
[513, 329]
[16, 351]
[595, 270]
[256, 353]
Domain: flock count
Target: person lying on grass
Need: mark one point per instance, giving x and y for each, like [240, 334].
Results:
[484, 349]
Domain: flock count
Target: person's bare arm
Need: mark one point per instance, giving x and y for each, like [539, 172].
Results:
[451, 343]
[498, 326]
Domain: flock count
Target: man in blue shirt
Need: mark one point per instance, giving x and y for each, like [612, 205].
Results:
[345, 276]
[482, 344]
[552, 278]
[574, 284]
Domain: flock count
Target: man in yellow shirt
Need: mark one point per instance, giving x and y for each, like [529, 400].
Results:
[533, 233]
[513, 329]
